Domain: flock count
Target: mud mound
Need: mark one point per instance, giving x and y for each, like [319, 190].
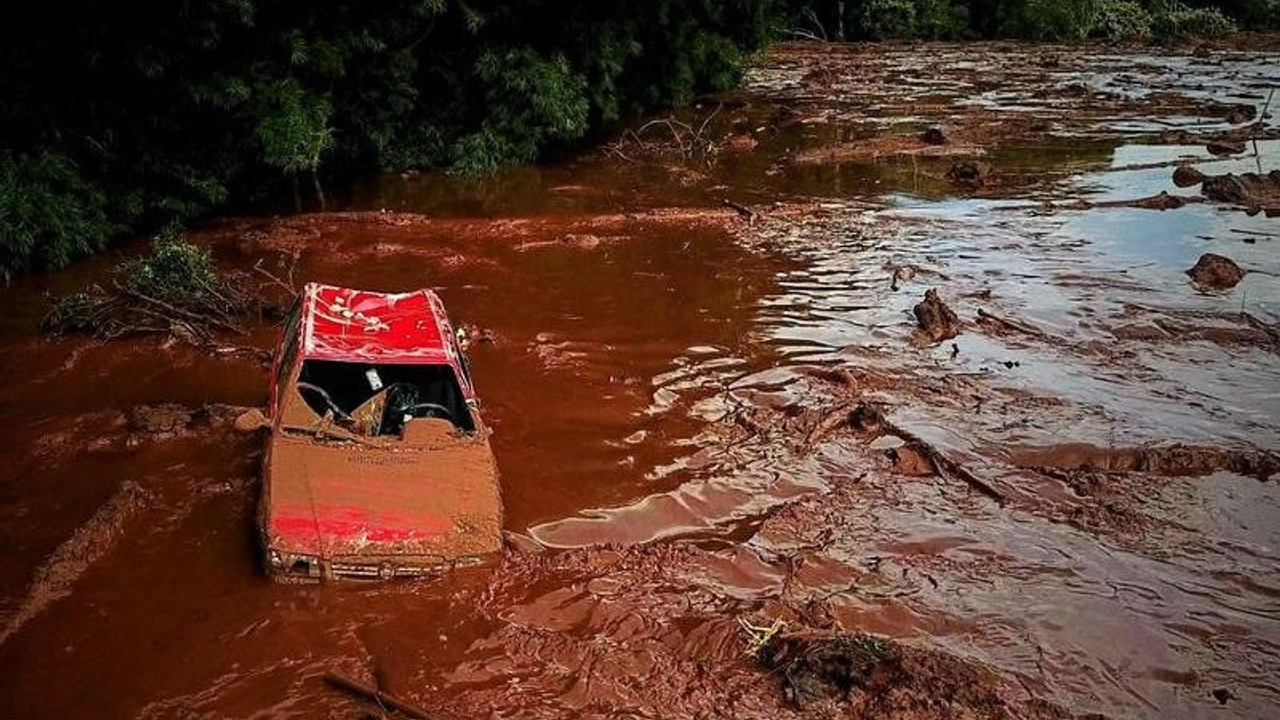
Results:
[877, 678]
[1216, 272]
[936, 320]
[64, 566]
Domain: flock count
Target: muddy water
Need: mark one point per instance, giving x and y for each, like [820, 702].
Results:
[661, 378]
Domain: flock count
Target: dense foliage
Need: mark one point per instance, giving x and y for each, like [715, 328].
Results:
[124, 117]
[127, 116]
[1026, 19]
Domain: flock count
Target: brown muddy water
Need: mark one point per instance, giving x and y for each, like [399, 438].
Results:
[1071, 495]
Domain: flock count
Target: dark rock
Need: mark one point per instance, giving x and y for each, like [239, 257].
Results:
[1248, 189]
[1186, 176]
[934, 136]
[973, 173]
[936, 320]
[1225, 147]
[1216, 272]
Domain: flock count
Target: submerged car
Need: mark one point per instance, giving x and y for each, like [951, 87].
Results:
[378, 464]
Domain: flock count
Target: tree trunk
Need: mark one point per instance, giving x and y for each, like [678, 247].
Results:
[315, 180]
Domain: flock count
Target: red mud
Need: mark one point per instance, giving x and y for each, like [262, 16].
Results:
[712, 413]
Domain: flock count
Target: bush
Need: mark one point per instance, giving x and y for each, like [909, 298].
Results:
[1121, 19]
[896, 19]
[1170, 19]
[176, 271]
[49, 215]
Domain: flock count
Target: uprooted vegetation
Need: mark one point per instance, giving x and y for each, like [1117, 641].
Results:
[177, 291]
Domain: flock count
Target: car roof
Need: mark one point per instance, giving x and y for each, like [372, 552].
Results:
[351, 325]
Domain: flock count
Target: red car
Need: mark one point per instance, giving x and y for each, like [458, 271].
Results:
[379, 464]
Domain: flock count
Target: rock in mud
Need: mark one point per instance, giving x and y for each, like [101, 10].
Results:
[971, 173]
[741, 144]
[1223, 148]
[936, 320]
[1249, 190]
[866, 677]
[166, 418]
[911, 461]
[866, 418]
[934, 136]
[1216, 272]
[1186, 176]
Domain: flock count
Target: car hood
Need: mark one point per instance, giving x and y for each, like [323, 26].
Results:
[352, 500]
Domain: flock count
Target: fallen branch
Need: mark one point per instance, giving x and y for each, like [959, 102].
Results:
[1010, 324]
[369, 692]
[747, 213]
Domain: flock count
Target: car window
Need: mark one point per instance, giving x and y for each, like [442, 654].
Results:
[409, 391]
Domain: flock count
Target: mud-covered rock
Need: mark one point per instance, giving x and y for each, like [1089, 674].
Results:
[1186, 176]
[936, 320]
[970, 173]
[161, 419]
[866, 418]
[872, 677]
[1225, 147]
[167, 420]
[934, 136]
[1216, 272]
[1251, 190]
[912, 461]
[741, 143]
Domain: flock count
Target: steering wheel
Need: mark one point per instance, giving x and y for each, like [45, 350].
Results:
[324, 394]
[442, 410]
[402, 400]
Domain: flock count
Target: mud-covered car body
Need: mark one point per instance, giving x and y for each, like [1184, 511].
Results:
[378, 464]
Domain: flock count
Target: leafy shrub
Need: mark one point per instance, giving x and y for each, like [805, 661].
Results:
[176, 271]
[1171, 18]
[1121, 19]
[49, 215]
[926, 19]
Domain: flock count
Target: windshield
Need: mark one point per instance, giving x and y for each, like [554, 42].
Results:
[382, 399]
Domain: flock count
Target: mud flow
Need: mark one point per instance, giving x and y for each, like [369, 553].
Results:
[879, 388]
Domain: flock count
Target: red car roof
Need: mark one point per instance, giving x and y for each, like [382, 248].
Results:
[373, 327]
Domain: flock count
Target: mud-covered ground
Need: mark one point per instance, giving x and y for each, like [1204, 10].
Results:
[1048, 492]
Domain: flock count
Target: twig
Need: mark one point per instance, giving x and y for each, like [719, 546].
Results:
[369, 692]
[266, 273]
[1011, 325]
[193, 316]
